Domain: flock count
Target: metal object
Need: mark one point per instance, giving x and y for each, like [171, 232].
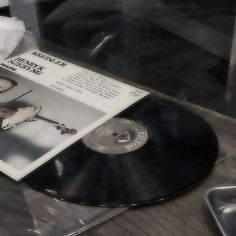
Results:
[222, 204]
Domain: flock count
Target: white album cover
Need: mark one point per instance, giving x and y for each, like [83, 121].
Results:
[47, 104]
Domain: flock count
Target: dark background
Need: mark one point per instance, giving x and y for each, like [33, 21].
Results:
[181, 48]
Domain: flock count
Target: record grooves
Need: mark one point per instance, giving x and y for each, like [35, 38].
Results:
[156, 150]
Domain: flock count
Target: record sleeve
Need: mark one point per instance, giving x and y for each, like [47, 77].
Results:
[47, 104]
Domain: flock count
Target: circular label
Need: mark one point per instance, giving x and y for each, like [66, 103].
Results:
[117, 136]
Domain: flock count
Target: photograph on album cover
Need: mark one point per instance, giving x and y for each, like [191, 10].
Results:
[35, 119]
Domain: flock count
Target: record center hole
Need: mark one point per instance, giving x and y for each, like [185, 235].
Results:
[114, 134]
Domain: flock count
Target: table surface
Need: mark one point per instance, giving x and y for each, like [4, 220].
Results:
[187, 214]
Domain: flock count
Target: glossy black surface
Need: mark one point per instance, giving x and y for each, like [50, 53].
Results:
[181, 48]
[4, 11]
[181, 150]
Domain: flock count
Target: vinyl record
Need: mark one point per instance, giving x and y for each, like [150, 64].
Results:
[153, 151]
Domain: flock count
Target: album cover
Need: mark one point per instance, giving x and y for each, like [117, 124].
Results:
[46, 104]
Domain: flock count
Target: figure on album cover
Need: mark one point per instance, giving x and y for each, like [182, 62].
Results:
[37, 121]
[6, 84]
[11, 116]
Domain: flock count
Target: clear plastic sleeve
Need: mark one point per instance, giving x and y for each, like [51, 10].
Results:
[27, 212]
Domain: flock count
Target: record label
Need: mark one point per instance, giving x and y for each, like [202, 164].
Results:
[117, 136]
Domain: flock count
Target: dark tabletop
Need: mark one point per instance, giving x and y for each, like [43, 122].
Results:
[187, 214]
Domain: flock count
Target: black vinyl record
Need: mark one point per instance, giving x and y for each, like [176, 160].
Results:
[156, 150]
